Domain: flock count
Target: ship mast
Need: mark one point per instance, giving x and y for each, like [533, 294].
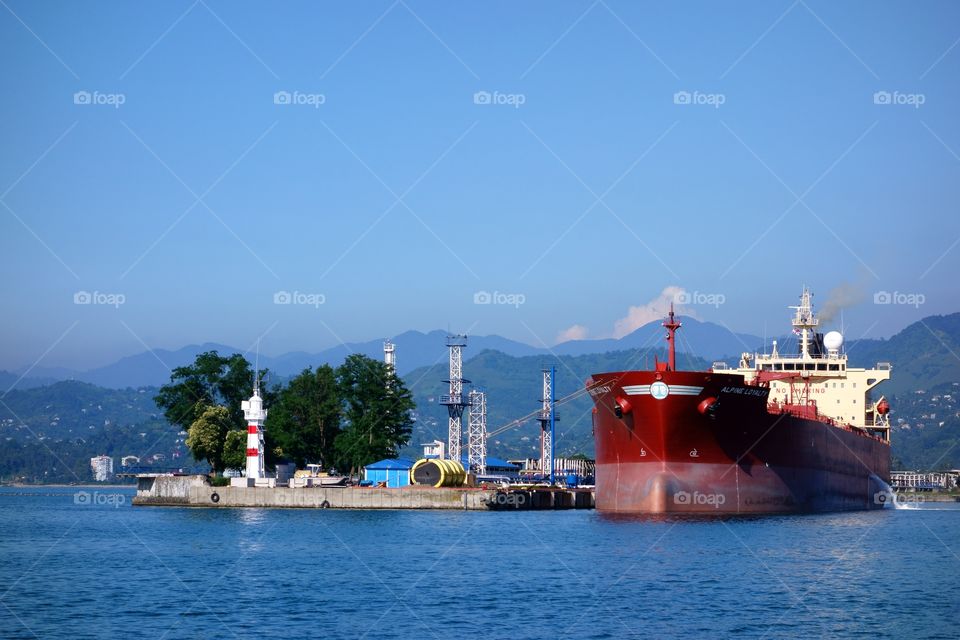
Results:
[804, 322]
[671, 325]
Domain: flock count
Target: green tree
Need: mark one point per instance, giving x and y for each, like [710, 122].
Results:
[305, 419]
[235, 450]
[212, 379]
[208, 434]
[377, 409]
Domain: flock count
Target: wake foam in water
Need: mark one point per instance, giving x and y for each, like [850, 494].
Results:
[890, 499]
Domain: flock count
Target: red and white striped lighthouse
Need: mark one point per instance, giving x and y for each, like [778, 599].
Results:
[255, 415]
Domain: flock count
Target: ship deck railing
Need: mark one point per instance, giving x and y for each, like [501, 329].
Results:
[810, 412]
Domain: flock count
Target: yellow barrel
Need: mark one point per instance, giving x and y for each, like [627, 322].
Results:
[438, 473]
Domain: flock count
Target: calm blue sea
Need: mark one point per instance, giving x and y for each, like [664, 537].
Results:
[92, 566]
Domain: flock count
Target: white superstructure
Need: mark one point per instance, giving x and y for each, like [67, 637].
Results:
[818, 376]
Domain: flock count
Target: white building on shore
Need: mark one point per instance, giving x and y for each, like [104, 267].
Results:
[102, 468]
[930, 481]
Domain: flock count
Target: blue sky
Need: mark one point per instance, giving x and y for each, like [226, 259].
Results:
[731, 150]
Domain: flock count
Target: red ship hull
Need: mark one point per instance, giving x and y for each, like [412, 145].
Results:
[704, 442]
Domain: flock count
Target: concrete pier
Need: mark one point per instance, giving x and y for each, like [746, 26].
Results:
[196, 491]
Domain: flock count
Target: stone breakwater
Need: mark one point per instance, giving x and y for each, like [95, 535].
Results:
[196, 491]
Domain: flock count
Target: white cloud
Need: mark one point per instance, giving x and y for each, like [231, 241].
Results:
[576, 332]
[656, 309]
[637, 316]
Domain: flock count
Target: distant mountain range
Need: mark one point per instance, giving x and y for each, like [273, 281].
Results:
[926, 353]
[415, 349]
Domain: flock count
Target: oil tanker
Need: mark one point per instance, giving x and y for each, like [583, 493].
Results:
[777, 434]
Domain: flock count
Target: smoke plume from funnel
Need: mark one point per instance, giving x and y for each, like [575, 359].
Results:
[840, 297]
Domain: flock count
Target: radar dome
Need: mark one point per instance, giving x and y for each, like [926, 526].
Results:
[833, 340]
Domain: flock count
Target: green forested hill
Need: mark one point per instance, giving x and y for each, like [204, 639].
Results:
[924, 355]
[50, 433]
[30, 459]
[926, 428]
[74, 409]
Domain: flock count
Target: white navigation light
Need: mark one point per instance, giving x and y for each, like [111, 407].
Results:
[833, 341]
